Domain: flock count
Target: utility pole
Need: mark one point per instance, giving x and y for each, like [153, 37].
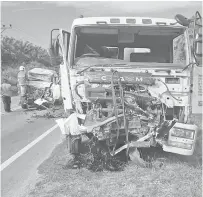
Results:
[4, 27]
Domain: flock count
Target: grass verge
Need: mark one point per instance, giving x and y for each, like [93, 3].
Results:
[176, 178]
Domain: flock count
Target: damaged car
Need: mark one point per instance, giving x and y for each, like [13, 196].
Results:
[42, 86]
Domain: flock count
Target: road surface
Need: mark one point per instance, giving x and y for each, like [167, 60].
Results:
[25, 143]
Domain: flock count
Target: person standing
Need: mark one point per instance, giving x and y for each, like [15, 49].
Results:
[55, 88]
[22, 83]
[6, 94]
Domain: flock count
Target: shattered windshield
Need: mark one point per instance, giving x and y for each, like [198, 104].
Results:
[132, 44]
[179, 49]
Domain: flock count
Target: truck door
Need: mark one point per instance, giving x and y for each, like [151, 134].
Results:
[196, 27]
[59, 54]
[64, 70]
[61, 45]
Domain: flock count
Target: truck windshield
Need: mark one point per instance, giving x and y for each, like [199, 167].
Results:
[132, 44]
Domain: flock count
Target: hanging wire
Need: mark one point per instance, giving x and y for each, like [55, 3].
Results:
[116, 109]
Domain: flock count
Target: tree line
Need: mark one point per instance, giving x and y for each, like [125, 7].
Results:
[15, 52]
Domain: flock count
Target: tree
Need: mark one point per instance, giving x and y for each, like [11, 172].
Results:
[17, 51]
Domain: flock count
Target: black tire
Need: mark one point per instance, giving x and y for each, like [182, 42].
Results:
[24, 106]
[75, 146]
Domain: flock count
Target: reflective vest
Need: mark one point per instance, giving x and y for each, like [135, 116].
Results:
[22, 78]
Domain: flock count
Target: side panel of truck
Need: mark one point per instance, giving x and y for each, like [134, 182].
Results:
[197, 91]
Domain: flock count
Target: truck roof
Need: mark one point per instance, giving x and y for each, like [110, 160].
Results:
[132, 21]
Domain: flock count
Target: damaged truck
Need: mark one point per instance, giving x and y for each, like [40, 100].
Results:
[131, 82]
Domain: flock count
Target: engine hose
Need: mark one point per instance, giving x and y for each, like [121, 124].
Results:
[125, 121]
[76, 89]
[143, 90]
[135, 94]
[169, 90]
[136, 108]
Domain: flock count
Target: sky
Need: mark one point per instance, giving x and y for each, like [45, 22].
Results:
[33, 20]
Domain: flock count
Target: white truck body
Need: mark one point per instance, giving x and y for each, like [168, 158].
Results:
[175, 84]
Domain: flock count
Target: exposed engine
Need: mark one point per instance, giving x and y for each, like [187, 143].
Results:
[120, 107]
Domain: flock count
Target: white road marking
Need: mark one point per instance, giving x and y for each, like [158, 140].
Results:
[26, 148]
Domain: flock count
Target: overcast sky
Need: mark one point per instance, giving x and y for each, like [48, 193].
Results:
[33, 21]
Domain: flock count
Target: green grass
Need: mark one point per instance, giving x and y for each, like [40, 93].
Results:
[179, 176]
[176, 178]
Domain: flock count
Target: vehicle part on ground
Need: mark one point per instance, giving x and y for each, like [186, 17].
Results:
[136, 158]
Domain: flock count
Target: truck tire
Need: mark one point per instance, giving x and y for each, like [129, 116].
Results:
[73, 144]
[24, 106]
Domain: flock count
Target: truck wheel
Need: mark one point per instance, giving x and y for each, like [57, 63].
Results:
[75, 146]
[24, 106]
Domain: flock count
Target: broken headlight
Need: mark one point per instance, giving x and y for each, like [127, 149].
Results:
[182, 133]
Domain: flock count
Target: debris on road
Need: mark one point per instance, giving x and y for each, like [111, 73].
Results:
[51, 113]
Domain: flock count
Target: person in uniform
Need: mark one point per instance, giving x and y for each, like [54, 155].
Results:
[22, 82]
[6, 95]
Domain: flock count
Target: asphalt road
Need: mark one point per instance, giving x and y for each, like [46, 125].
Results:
[20, 157]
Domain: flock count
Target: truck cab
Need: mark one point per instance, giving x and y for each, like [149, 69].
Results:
[141, 72]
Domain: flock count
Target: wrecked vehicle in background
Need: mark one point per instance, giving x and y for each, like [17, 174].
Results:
[40, 86]
[131, 82]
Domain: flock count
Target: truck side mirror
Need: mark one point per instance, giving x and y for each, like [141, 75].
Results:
[182, 20]
[54, 44]
[197, 42]
[54, 47]
[198, 46]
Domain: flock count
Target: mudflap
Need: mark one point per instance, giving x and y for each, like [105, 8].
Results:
[73, 144]
[135, 157]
